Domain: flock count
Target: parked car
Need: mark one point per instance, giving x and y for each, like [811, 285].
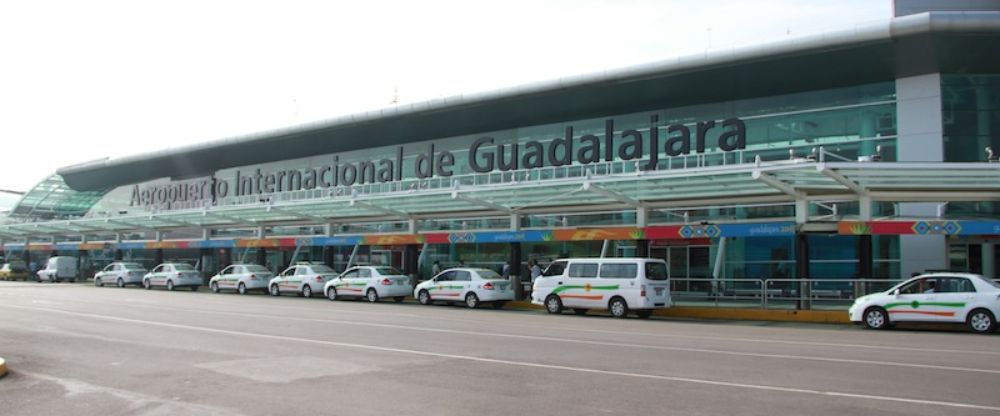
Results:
[58, 268]
[935, 297]
[14, 270]
[241, 278]
[370, 282]
[121, 274]
[304, 279]
[171, 275]
[470, 285]
[619, 285]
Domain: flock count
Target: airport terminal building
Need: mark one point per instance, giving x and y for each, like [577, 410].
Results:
[858, 154]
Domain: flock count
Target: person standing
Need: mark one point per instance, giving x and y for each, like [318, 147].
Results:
[536, 270]
[436, 268]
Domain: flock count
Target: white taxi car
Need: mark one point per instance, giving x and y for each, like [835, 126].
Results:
[937, 297]
[241, 278]
[121, 274]
[370, 282]
[303, 279]
[171, 275]
[470, 285]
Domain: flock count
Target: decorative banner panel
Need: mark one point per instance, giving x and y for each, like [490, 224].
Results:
[919, 228]
[588, 234]
[349, 240]
[393, 239]
[212, 244]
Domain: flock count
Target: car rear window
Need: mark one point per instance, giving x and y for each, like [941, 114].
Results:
[656, 271]
[322, 269]
[388, 271]
[489, 274]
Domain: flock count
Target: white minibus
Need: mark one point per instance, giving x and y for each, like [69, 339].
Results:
[616, 284]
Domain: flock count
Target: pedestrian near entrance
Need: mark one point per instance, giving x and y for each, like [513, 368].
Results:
[436, 268]
[536, 270]
[505, 270]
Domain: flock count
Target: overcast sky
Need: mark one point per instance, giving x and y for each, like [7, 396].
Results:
[82, 80]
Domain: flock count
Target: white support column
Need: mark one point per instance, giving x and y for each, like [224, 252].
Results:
[205, 233]
[920, 128]
[641, 216]
[801, 211]
[260, 232]
[515, 222]
[411, 225]
[865, 208]
[158, 235]
[328, 229]
[989, 259]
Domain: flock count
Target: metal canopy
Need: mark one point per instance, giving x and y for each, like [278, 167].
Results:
[793, 180]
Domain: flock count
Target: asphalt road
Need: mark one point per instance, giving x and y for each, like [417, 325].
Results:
[81, 350]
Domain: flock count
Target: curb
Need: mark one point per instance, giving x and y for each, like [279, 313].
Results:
[736, 314]
[3, 367]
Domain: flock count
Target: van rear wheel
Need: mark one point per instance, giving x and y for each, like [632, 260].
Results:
[553, 304]
[644, 314]
[618, 307]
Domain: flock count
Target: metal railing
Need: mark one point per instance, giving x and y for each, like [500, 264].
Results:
[829, 294]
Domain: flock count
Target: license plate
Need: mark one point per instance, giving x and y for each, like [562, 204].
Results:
[659, 291]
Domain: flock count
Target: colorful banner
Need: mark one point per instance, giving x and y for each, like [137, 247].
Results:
[212, 244]
[919, 228]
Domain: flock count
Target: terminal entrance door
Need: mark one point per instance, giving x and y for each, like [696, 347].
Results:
[688, 266]
[973, 255]
[388, 256]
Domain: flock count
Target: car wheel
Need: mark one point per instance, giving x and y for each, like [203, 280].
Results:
[170, 285]
[214, 287]
[242, 288]
[644, 314]
[499, 304]
[424, 297]
[618, 307]
[331, 293]
[471, 300]
[371, 295]
[981, 321]
[120, 282]
[146, 284]
[876, 318]
[97, 282]
[275, 291]
[553, 304]
[307, 291]
[580, 311]
[399, 299]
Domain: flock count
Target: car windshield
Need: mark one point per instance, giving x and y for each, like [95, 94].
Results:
[183, 267]
[256, 268]
[323, 269]
[489, 274]
[388, 271]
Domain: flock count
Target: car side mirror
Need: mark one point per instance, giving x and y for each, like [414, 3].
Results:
[895, 292]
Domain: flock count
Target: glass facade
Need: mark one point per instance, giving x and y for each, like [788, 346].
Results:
[970, 106]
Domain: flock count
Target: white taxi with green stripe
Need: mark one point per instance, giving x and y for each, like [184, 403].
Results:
[370, 282]
[469, 285]
[242, 278]
[936, 297]
[303, 279]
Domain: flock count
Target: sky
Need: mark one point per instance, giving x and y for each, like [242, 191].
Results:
[84, 80]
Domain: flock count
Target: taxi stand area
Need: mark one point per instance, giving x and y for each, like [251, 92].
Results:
[815, 186]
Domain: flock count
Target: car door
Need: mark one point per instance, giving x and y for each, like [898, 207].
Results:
[574, 290]
[302, 274]
[917, 301]
[955, 297]
[288, 280]
[444, 287]
[105, 273]
[463, 284]
[343, 283]
[155, 276]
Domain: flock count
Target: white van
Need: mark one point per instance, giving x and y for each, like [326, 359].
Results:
[58, 268]
[615, 284]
